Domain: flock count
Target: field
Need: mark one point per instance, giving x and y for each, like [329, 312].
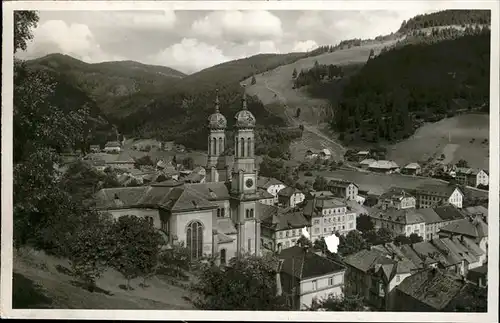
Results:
[378, 183]
[452, 137]
[41, 281]
[274, 89]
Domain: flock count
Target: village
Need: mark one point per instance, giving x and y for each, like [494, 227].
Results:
[413, 241]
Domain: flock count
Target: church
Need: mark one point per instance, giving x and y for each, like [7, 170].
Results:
[218, 217]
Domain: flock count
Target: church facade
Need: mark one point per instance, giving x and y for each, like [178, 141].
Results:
[218, 217]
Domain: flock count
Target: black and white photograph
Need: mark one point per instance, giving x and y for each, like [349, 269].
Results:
[281, 158]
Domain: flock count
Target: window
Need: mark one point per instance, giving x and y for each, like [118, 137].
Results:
[251, 213]
[281, 234]
[316, 221]
[397, 278]
[324, 230]
[223, 256]
[324, 220]
[249, 245]
[218, 213]
[330, 281]
[287, 233]
[351, 225]
[248, 147]
[221, 149]
[222, 211]
[287, 244]
[314, 284]
[194, 239]
[214, 146]
[242, 147]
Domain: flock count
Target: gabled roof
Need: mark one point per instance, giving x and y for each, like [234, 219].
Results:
[340, 183]
[395, 193]
[365, 259]
[368, 161]
[469, 171]
[432, 287]
[288, 191]
[448, 213]
[437, 190]
[412, 166]
[402, 216]
[212, 191]
[112, 144]
[266, 182]
[383, 164]
[264, 193]
[472, 228]
[304, 264]
[278, 219]
[110, 198]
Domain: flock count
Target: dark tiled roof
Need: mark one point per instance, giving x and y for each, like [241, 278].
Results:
[475, 228]
[403, 216]
[395, 193]
[448, 213]
[119, 197]
[266, 182]
[340, 183]
[306, 264]
[277, 219]
[437, 190]
[212, 190]
[430, 216]
[265, 194]
[432, 287]
[364, 260]
[288, 191]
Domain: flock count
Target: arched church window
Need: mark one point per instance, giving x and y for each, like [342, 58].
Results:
[221, 149]
[236, 146]
[209, 146]
[214, 146]
[247, 213]
[242, 147]
[251, 213]
[194, 239]
[218, 213]
[249, 141]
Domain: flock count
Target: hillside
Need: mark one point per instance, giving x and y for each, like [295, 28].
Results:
[446, 18]
[42, 281]
[111, 84]
[275, 89]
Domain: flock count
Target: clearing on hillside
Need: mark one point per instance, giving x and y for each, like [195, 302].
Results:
[461, 137]
[275, 89]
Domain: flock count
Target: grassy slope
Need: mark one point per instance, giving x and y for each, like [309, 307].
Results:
[450, 136]
[39, 282]
[274, 89]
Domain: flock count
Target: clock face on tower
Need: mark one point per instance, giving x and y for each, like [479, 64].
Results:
[249, 182]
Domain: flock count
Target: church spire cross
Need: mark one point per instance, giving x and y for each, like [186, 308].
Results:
[244, 97]
[217, 100]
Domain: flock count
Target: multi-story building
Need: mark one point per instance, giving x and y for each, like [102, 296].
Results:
[280, 228]
[400, 222]
[397, 198]
[329, 215]
[343, 189]
[305, 276]
[412, 169]
[267, 198]
[290, 197]
[433, 195]
[472, 177]
[438, 217]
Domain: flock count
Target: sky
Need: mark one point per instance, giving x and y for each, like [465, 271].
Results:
[190, 41]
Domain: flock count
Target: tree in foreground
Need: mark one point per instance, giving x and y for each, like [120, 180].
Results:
[248, 283]
[351, 243]
[364, 223]
[137, 247]
[338, 303]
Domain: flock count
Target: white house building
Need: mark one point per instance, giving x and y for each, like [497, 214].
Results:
[472, 177]
[271, 185]
[434, 195]
[403, 221]
[343, 189]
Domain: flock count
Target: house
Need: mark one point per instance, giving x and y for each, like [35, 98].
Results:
[329, 215]
[290, 197]
[306, 276]
[397, 198]
[383, 166]
[412, 169]
[198, 175]
[479, 276]
[325, 154]
[266, 197]
[115, 161]
[97, 164]
[362, 155]
[146, 144]
[112, 147]
[474, 229]
[402, 221]
[95, 148]
[169, 145]
[365, 163]
[180, 148]
[431, 195]
[434, 290]
[310, 154]
[271, 185]
[374, 274]
[344, 189]
[280, 228]
[479, 210]
[438, 217]
[472, 177]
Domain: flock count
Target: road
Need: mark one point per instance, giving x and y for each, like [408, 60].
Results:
[338, 150]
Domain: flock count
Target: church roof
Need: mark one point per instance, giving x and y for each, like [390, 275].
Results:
[244, 118]
[217, 120]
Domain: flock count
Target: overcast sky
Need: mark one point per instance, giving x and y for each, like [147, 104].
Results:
[192, 40]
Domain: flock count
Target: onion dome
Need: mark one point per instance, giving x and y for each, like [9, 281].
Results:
[244, 118]
[217, 120]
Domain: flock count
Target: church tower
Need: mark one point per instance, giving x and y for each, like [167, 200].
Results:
[217, 124]
[243, 191]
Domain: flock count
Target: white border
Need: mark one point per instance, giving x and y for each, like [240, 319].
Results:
[7, 97]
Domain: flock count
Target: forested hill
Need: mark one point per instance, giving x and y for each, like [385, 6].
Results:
[109, 84]
[397, 90]
[447, 18]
